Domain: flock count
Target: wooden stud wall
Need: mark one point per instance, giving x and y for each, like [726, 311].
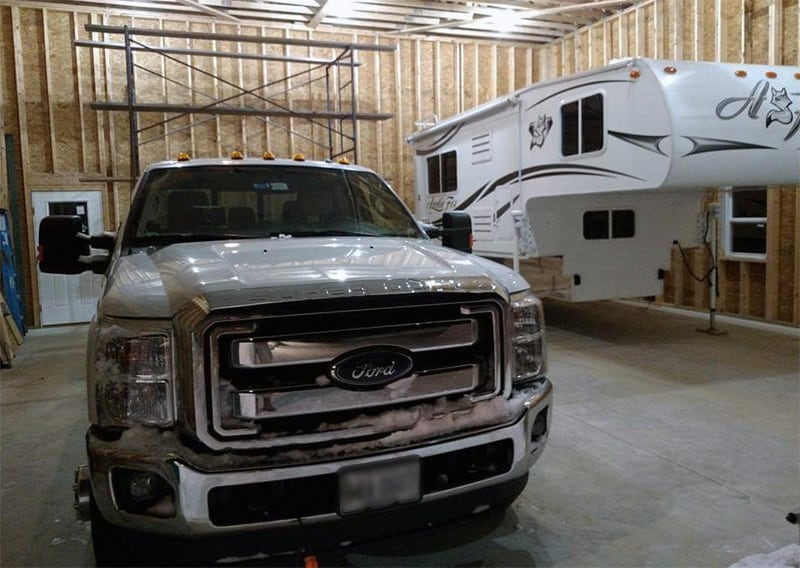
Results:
[46, 84]
[747, 31]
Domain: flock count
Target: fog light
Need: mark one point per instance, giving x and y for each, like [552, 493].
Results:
[142, 487]
[143, 492]
[539, 427]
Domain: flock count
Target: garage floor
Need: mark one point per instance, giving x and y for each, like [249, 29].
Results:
[668, 448]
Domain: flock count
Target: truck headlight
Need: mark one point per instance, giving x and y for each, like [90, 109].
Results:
[131, 377]
[528, 350]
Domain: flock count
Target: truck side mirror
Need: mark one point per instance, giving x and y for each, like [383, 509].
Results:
[457, 230]
[64, 249]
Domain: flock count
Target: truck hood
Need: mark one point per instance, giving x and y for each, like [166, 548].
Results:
[233, 273]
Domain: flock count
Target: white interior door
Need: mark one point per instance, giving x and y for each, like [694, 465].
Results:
[69, 298]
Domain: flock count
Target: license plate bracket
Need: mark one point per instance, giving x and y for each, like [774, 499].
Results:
[380, 485]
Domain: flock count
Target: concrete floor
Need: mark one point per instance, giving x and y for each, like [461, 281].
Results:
[668, 448]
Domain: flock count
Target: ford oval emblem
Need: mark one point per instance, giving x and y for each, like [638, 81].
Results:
[371, 368]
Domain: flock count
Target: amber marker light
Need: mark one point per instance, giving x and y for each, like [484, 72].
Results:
[671, 70]
[237, 155]
[635, 74]
[344, 161]
[797, 75]
[771, 75]
[183, 156]
[299, 157]
[741, 73]
[268, 155]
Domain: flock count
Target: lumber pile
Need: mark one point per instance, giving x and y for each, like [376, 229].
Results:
[10, 336]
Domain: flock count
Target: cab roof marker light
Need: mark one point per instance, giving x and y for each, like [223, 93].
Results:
[268, 155]
[237, 155]
[183, 157]
[299, 157]
[344, 161]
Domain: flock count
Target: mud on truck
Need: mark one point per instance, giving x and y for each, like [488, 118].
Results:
[280, 348]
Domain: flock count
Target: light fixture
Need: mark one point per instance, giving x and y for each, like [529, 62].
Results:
[505, 21]
[340, 8]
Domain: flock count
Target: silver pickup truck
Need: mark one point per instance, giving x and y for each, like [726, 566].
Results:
[280, 347]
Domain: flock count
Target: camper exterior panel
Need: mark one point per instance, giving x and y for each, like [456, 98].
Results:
[733, 124]
[625, 261]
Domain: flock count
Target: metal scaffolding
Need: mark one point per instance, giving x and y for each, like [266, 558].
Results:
[339, 119]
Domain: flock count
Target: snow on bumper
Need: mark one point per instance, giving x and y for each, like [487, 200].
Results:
[203, 500]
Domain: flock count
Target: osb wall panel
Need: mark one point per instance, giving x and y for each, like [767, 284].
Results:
[65, 140]
[731, 31]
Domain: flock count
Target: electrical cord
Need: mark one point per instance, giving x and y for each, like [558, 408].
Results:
[707, 276]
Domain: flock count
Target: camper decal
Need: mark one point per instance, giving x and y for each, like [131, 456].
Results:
[781, 100]
[539, 130]
[441, 203]
[731, 107]
[650, 143]
[439, 142]
[702, 145]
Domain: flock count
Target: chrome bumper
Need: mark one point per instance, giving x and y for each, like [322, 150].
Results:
[192, 486]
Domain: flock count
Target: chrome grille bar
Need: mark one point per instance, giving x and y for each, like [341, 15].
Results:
[265, 353]
[255, 405]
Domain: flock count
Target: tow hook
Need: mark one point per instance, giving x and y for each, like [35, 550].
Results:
[81, 490]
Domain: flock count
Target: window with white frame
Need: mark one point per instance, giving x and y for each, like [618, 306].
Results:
[745, 228]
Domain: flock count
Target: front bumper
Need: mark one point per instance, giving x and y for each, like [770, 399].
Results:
[196, 508]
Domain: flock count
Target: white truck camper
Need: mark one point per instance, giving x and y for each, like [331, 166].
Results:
[601, 173]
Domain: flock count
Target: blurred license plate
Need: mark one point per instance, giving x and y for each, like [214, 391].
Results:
[378, 486]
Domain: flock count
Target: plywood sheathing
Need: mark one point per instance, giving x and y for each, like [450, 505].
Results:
[730, 31]
[424, 77]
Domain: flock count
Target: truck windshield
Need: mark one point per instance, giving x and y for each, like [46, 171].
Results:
[222, 202]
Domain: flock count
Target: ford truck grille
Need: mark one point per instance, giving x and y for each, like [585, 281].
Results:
[270, 380]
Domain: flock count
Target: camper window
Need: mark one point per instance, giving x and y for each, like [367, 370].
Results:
[442, 173]
[620, 224]
[746, 223]
[582, 126]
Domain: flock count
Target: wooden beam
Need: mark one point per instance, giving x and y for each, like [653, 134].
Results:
[417, 81]
[78, 80]
[796, 295]
[720, 31]
[322, 11]
[493, 73]
[376, 62]
[775, 32]
[744, 288]
[48, 78]
[112, 135]
[190, 85]
[772, 286]
[399, 136]
[354, 105]
[437, 80]
[25, 154]
[697, 30]
[215, 90]
[164, 95]
[208, 10]
[677, 29]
